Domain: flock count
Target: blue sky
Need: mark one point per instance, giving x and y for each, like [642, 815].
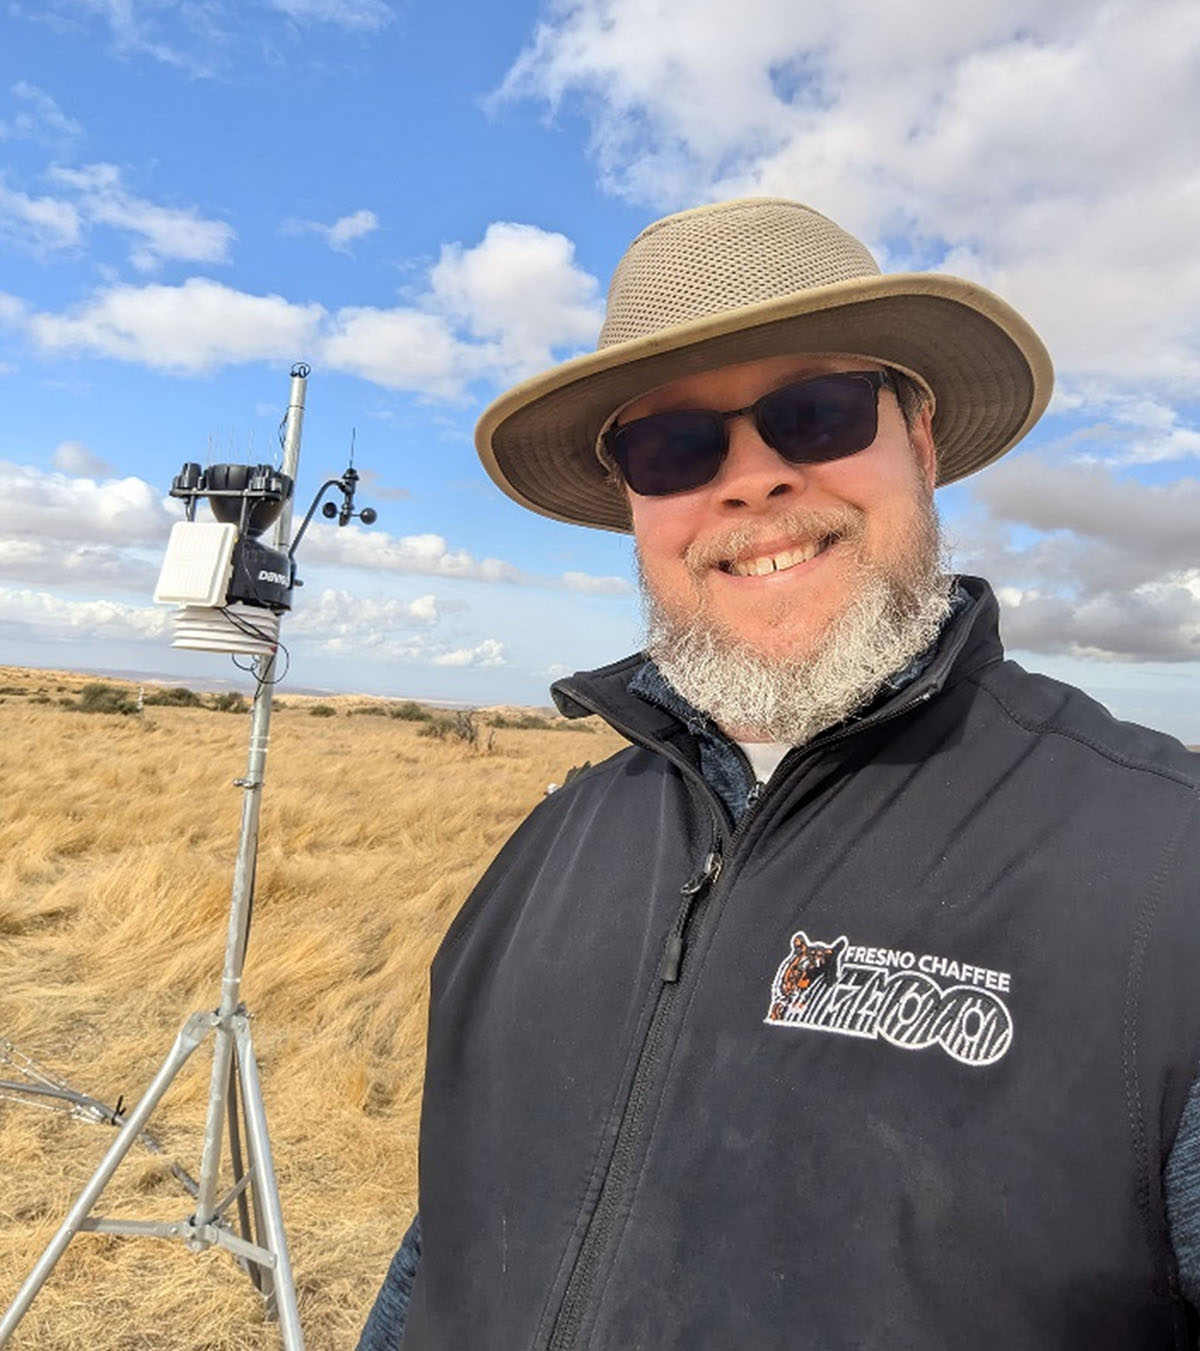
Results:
[425, 202]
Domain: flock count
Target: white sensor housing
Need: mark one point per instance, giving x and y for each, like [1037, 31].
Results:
[198, 563]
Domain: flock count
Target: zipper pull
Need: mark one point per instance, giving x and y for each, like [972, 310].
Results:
[672, 957]
[668, 971]
[754, 794]
[706, 876]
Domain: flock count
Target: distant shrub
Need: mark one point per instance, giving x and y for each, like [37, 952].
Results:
[45, 699]
[461, 726]
[14, 689]
[229, 702]
[521, 721]
[466, 728]
[369, 711]
[101, 698]
[174, 696]
[535, 722]
[322, 711]
[410, 712]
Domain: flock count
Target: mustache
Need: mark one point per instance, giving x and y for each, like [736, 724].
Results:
[739, 541]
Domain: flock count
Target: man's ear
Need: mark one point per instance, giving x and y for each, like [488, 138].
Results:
[920, 437]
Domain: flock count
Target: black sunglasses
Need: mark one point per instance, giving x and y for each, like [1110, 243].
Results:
[826, 417]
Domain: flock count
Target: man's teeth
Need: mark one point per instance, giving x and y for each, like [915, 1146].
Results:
[759, 567]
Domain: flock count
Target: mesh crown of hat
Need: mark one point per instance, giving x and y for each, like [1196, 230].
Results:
[715, 259]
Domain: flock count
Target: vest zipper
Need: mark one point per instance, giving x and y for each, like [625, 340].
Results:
[577, 1295]
[668, 969]
[571, 1310]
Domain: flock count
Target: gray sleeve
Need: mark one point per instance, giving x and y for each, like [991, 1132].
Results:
[1181, 1191]
[384, 1328]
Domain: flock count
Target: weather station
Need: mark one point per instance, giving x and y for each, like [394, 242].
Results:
[231, 591]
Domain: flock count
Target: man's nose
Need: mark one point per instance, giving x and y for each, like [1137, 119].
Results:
[753, 474]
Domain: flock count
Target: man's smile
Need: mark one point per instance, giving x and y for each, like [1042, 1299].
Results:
[762, 563]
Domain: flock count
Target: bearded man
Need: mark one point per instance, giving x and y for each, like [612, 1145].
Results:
[852, 1005]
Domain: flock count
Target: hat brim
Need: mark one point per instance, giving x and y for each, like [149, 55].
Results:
[989, 372]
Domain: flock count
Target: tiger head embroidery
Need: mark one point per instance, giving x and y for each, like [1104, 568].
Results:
[808, 966]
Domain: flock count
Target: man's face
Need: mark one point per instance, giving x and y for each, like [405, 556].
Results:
[820, 524]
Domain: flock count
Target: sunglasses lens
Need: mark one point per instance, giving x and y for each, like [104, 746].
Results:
[669, 452]
[822, 419]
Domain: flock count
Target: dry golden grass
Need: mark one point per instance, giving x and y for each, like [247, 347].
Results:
[117, 839]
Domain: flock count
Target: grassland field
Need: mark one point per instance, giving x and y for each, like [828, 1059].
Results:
[117, 840]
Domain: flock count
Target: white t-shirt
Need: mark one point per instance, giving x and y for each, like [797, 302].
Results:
[764, 756]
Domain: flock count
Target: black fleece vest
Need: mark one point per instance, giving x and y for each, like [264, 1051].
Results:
[896, 1063]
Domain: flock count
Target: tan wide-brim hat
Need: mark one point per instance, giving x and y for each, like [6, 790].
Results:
[761, 277]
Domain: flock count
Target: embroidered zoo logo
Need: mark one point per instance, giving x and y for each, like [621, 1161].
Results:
[912, 1000]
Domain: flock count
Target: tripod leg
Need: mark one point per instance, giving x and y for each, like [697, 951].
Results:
[267, 1288]
[265, 1186]
[239, 1171]
[190, 1036]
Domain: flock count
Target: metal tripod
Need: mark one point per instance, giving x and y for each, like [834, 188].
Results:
[266, 1260]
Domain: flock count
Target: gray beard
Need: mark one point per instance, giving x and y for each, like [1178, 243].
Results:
[893, 616]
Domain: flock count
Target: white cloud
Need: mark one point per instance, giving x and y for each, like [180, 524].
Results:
[431, 555]
[168, 33]
[490, 652]
[342, 233]
[1046, 151]
[1132, 428]
[59, 529]
[90, 567]
[346, 229]
[1156, 527]
[160, 232]
[597, 586]
[39, 224]
[497, 311]
[428, 555]
[400, 348]
[343, 624]
[520, 293]
[38, 118]
[342, 613]
[198, 37]
[1157, 622]
[372, 483]
[189, 329]
[368, 15]
[46, 616]
[110, 526]
[40, 505]
[1088, 564]
[73, 457]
